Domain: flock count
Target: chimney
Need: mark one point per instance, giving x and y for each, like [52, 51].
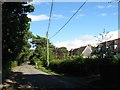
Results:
[89, 45]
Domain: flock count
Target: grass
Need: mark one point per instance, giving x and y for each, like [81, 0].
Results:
[47, 70]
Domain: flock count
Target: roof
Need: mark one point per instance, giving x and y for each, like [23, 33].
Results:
[83, 49]
[87, 51]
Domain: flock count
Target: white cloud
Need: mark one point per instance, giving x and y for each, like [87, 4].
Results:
[110, 36]
[107, 6]
[73, 11]
[38, 17]
[76, 10]
[100, 7]
[111, 6]
[103, 14]
[83, 40]
[35, 2]
[81, 15]
[58, 16]
[43, 17]
[114, 34]
[115, 13]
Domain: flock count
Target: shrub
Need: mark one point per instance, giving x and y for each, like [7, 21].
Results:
[77, 66]
[38, 64]
[55, 65]
[110, 69]
[14, 64]
[87, 66]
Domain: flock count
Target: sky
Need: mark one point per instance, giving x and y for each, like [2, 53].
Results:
[89, 22]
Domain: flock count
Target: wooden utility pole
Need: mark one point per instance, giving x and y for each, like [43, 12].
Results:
[47, 48]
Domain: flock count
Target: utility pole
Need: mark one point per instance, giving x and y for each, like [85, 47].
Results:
[47, 48]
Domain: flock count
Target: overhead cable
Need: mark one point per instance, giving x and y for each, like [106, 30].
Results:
[69, 20]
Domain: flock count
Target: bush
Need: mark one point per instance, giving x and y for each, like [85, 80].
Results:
[55, 65]
[38, 64]
[78, 66]
[110, 69]
[87, 66]
[14, 64]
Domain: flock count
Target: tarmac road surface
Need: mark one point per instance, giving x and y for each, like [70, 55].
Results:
[27, 77]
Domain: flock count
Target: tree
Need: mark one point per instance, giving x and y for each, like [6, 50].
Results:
[102, 49]
[15, 30]
[61, 53]
[40, 52]
[104, 36]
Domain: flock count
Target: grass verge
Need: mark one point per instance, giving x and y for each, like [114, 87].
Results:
[47, 70]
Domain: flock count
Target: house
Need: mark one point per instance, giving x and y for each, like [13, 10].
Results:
[85, 51]
[108, 48]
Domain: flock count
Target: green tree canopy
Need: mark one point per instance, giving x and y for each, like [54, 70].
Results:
[39, 54]
[15, 29]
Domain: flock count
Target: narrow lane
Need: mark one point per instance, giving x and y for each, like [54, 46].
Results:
[40, 79]
[26, 76]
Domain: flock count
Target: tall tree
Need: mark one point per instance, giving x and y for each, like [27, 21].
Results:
[102, 49]
[102, 37]
[40, 53]
[61, 53]
[15, 31]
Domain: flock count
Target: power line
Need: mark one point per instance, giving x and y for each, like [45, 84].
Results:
[69, 20]
[51, 9]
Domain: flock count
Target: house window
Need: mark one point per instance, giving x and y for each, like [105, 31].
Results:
[107, 47]
[115, 46]
[99, 49]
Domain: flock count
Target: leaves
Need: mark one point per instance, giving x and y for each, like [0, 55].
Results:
[40, 51]
[15, 34]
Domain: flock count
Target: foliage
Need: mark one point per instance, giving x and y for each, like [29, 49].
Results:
[62, 53]
[109, 70]
[40, 51]
[55, 65]
[102, 50]
[15, 31]
[81, 66]
[14, 64]
[38, 63]
[77, 66]
[86, 66]
[44, 69]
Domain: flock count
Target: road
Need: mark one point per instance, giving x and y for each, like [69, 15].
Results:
[26, 76]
